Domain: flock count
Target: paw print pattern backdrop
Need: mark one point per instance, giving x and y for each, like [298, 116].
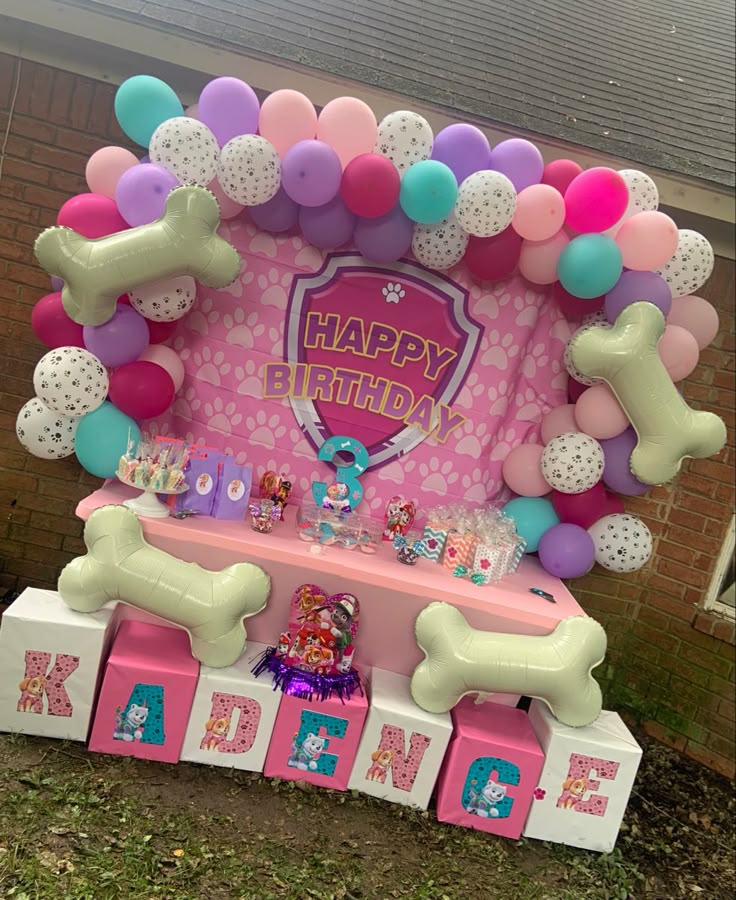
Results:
[489, 360]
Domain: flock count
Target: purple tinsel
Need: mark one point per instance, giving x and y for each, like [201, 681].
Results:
[307, 685]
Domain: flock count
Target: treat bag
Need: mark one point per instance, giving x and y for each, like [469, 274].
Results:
[202, 476]
[434, 537]
[233, 491]
[321, 630]
[459, 550]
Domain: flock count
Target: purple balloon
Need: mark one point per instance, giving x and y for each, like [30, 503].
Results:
[56, 283]
[278, 214]
[142, 191]
[386, 238]
[311, 173]
[462, 148]
[633, 286]
[566, 551]
[120, 340]
[327, 226]
[145, 158]
[519, 160]
[228, 107]
[617, 474]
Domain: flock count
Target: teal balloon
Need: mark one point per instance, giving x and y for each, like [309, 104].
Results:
[590, 265]
[142, 103]
[102, 438]
[428, 192]
[533, 516]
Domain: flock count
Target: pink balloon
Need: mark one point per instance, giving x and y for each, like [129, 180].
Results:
[595, 200]
[575, 389]
[142, 390]
[91, 215]
[560, 420]
[228, 208]
[192, 111]
[168, 359]
[599, 414]
[647, 240]
[678, 351]
[538, 259]
[586, 508]
[540, 212]
[52, 325]
[522, 471]
[286, 118]
[560, 172]
[573, 307]
[349, 126]
[105, 167]
[696, 316]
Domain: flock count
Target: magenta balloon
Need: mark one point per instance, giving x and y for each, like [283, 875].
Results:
[52, 326]
[566, 551]
[228, 107]
[327, 226]
[617, 474]
[462, 148]
[311, 172]
[120, 340]
[142, 191]
[278, 214]
[386, 238]
[634, 286]
[519, 160]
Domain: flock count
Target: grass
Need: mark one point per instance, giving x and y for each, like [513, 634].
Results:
[77, 825]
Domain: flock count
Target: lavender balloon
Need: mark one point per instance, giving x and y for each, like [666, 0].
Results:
[462, 148]
[145, 158]
[276, 215]
[311, 173]
[566, 551]
[633, 286]
[386, 238]
[327, 226]
[617, 474]
[228, 107]
[519, 160]
[142, 191]
[56, 283]
[120, 340]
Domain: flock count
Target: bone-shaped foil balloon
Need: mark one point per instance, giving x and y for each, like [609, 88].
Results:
[626, 357]
[182, 242]
[120, 565]
[554, 667]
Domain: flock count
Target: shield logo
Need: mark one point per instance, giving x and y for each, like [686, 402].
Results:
[369, 343]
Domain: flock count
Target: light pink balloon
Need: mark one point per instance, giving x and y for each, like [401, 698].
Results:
[540, 212]
[696, 316]
[647, 240]
[348, 126]
[228, 208]
[679, 352]
[192, 111]
[168, 359]
[560, 420]
[105, 168]
[286, 118]
[538, 259]
[599, 414]
[522, 471]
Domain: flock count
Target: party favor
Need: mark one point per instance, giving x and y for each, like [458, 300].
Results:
[233, 491]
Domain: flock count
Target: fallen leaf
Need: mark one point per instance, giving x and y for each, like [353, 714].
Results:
[178, 853]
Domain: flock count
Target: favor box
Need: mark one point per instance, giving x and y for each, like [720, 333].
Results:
[50, 661]
[233, 715]
[434, 541]
[491, 769]
[459, 550]
[147, 692]
[402, 747]
[586, 781]
[316, 741]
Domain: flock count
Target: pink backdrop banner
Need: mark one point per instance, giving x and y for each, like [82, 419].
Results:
[490, 356]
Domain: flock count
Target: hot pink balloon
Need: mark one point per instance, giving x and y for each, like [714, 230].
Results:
[575, 389]
[696, 316]
[142, 390]
[559, 173]
[582, 509]
[678, 351]
[286, 118]
[91, 215]
[647, 240]
[538, 259]
[168, 359]
[228, 208]
[349, 126]
[599, 414]
[52, 326]
[560, 420]
[105, 167]
[522, 471]
[540, 212]
[595, 200]
[573, 307]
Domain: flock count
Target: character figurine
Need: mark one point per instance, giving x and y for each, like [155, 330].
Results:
[282, 648]
[281, 497]
[400, 514]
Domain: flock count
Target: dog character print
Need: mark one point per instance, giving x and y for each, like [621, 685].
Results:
[381, 761]
[31, 694]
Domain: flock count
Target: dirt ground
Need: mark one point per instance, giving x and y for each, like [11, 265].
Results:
[79, 825]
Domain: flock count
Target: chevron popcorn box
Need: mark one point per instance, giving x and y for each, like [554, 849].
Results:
[459, 550]
[586, 781]
[402, 747]
[233, 715]
[50, 662]
[434, 542]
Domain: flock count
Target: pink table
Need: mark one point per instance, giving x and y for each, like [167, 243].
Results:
[391, 595]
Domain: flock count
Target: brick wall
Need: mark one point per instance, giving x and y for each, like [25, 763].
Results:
[668, 665]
